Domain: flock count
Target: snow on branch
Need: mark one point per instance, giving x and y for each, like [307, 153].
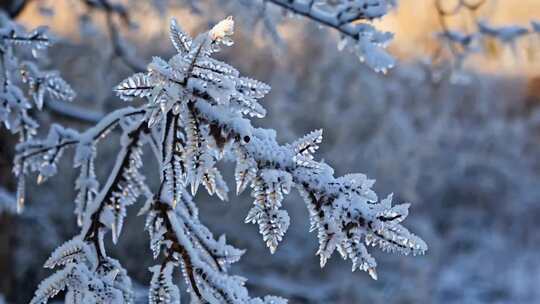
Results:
[42, 156]
[198, 109]
[351, 19]
[16, 77]
[343, 210]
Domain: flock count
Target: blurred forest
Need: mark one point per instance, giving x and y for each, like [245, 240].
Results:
[462, 145]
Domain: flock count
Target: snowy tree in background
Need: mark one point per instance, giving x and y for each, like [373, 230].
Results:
[197, 113]
[480, 36]
[19, 76]
[351, 19]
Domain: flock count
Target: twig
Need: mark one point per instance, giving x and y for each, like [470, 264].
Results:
[73, 112]
[344, 28]
[443, 14]
[119, 49]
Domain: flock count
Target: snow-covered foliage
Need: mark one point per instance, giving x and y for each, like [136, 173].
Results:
[25, 87]
[470, 43]
[351, 19]
[197, 111]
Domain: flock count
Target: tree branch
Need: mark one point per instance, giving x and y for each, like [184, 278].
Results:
[331, 20]
[119, 49]
[73, 112]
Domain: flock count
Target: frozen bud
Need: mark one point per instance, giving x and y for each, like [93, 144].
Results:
[223, 29]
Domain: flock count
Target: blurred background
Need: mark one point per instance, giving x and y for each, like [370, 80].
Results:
[461, 143]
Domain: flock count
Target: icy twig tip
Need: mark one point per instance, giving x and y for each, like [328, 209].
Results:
[224, 29]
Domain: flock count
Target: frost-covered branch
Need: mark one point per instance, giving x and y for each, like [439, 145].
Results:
[17, 76]
[43, 156]
[89, 274]
[351, 19]
[196, 113]
[343, 210]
